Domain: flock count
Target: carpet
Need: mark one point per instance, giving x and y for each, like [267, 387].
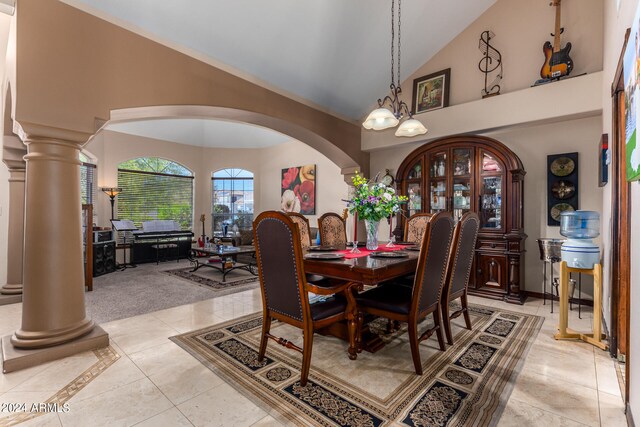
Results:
[149, 288]
[468, 384]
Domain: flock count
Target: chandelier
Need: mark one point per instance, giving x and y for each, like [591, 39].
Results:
[383, 118]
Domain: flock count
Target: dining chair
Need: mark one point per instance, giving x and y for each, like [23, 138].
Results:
[333, 230]
[463, 252]
[285, 292]
[415, 227]
[412, 304]
[304, 228]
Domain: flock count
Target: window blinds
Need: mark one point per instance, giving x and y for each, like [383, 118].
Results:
[149, 195]
[87, 183]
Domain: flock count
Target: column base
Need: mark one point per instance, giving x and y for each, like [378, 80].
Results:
[10, 299]
[14, 359]
[11, 289]
[30, 340]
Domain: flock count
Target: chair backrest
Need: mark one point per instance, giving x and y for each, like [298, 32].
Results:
[433, 262]
[303, 225]
[415, 226]
[463, 251]
[280, 266]
[333, 229]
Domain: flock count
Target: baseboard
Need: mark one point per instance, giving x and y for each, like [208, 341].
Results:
[627, 411]
[587, 302]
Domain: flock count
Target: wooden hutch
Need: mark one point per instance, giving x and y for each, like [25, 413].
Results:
[479, 174]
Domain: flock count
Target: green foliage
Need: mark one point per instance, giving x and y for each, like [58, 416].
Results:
[373, 201]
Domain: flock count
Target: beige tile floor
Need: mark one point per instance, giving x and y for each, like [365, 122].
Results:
[155, 383]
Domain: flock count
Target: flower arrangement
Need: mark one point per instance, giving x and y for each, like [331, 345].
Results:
[372, 201]
[298, 189]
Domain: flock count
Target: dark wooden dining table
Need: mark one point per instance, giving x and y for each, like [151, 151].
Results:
[365, 270]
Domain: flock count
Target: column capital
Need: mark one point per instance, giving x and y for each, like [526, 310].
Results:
[33, 131]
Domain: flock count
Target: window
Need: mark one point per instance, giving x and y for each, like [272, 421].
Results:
[154, 188]
[87, 180]
[232, 200]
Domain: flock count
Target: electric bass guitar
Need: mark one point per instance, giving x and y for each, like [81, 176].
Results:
[557, 62]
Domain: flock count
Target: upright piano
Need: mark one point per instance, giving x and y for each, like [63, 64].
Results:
[159, 232]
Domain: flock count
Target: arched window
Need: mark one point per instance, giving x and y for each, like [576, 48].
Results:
[232, 200]
[154, 188]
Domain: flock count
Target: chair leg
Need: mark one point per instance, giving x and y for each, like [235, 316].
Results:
[465, 307]
[266, 327]
[437, 316]
[446, 320]
[415, 349]
[307, 347]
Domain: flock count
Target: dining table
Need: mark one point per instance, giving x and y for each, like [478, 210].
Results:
[366, 268]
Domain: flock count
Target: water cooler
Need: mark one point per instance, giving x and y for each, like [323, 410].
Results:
[580, 227]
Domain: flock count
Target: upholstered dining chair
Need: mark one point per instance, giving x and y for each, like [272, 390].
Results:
[285, 290]
[463, 251]
[303, 226]
[413, 304]
[333, 229]
[415, 226]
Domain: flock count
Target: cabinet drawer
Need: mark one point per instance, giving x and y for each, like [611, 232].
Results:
[492, 245]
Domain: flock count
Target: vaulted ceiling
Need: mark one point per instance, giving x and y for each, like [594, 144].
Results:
[333, 53]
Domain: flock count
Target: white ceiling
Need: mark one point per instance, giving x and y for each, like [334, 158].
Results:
[334, 53]
[203, 133]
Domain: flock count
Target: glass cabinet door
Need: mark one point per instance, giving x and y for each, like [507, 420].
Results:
[414, 189]
[462, 184]
[438, 169]
[490, 199]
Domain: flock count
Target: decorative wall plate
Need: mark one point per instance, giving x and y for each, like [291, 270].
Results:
[562, 166]
[556, 210]
[563, 189]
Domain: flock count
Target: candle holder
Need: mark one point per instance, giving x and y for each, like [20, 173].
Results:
[355, 249]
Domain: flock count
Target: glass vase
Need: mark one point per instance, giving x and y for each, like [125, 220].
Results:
[372, 234]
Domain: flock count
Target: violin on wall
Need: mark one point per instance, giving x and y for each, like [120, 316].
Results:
[557, 62]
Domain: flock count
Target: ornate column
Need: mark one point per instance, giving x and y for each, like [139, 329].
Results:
[53, 310]
[15, 237]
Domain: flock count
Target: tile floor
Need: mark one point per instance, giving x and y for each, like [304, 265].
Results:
[155, 383]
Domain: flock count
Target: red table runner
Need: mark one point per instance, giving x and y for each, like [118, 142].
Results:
[364, 251]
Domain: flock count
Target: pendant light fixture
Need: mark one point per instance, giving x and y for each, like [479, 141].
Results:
[382, 117]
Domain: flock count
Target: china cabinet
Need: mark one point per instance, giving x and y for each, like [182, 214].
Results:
[474, 173]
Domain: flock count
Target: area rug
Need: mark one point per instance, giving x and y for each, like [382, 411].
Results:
[466, 385]
[237, 280]
[147, 288]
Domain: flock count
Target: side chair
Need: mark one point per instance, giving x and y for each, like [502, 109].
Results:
[333, 230]
[464, 248]
[285, 290]
[415, 226]
[412, 304]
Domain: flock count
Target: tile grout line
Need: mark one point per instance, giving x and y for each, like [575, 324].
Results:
[548, 412]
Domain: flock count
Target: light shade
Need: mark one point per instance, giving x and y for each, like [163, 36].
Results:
[380, 119]
[111, 191]
[411, 127]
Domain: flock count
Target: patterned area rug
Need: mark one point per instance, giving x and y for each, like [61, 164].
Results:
[237, 280]
[468, 384]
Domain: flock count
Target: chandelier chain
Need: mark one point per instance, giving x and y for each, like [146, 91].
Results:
[399, 50]
[393, 36]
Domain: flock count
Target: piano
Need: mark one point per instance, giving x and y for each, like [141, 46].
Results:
[159, 232]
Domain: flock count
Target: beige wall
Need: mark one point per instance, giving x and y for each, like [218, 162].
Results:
[330, 184]
[112, 148]
[521, 28]
[532, 145]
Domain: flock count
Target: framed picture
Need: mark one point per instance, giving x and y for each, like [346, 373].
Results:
[603, 167]
[431, 92]
[298, 189]
[562, 185]
[631, 100]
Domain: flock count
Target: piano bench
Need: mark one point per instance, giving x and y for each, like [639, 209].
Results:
[165, 247]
